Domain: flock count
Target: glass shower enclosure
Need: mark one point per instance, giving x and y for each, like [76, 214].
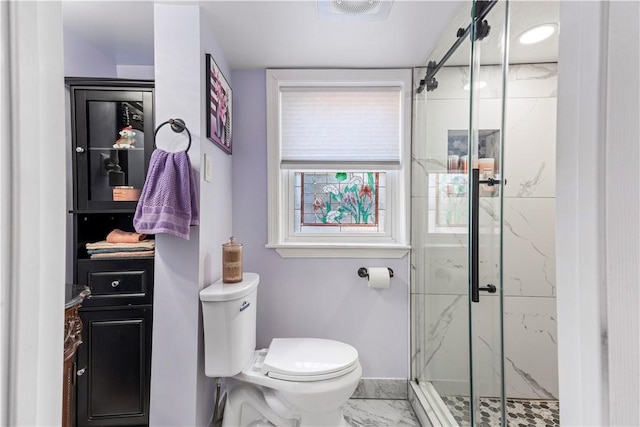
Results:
[457, 351]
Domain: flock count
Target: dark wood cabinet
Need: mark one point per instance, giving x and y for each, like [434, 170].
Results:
[114, 362]
[114, 367]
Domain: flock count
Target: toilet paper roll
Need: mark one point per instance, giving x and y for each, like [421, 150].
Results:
[379, 277]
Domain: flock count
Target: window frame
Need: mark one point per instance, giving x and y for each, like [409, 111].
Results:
[394, 241]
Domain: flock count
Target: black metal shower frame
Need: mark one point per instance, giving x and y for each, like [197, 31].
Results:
[480, 9]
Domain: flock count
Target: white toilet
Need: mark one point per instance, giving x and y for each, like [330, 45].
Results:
[299, 382]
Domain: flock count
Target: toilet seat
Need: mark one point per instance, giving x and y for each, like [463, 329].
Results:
[252, 374]
[308, 359]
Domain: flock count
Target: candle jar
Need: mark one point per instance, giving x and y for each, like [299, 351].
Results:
[232, 261]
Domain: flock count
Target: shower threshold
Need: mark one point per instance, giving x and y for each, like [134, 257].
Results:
[454, 410]
[431, 405]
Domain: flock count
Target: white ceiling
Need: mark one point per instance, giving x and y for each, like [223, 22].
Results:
[269, 33]
[289, 34]
[259, 34]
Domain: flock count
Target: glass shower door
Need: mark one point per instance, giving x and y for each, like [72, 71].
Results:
[456, 294]
[440, 221]
[486, 130]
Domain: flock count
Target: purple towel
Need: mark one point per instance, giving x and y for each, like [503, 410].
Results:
[169, 199]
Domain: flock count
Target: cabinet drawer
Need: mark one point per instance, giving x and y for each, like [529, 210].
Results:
[117, 282]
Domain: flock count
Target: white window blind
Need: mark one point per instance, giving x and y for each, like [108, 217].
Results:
[358, 127]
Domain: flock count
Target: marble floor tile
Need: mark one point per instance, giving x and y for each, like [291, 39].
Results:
[520, 412]
[379, 412]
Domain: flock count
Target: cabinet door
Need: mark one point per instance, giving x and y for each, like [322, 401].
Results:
[111, 169]
[114, 368]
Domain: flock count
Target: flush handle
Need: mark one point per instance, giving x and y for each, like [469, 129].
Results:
[245, 305]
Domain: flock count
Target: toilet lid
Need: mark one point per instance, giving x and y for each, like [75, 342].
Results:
[308, 359]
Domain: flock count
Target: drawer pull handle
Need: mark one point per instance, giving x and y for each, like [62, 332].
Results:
[115, 283]
[81, 371]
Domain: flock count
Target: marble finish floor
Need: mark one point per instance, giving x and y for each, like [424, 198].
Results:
[520, 412]
[379, 412]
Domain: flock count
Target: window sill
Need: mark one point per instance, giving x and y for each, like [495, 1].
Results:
[340, 251]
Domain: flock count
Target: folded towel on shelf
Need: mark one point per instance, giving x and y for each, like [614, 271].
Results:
[169, 199]
[103, 244]
[122, 254]
[119, 236]
[112, 250]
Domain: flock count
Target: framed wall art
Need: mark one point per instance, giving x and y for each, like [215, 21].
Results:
[219, 106]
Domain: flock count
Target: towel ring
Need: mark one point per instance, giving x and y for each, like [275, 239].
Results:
[177, 125]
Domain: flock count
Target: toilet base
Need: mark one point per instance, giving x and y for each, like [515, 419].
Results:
[247, 406]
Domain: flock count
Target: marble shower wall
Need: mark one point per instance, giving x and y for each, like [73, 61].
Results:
[439, 304]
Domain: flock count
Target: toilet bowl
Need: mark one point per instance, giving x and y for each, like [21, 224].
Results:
[299, 389]
[300, 382]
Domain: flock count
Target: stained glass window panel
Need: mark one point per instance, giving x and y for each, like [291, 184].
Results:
[339, 202]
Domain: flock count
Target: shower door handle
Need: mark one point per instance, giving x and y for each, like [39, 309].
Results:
[475, 213]
[475, 235]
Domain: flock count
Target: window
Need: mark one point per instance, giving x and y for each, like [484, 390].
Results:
[338, 162]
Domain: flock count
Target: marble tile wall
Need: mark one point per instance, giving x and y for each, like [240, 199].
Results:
[439, 306]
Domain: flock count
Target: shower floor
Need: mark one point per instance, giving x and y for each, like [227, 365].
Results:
[520, 412]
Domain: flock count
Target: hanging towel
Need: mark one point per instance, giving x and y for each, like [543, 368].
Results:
[169, 199]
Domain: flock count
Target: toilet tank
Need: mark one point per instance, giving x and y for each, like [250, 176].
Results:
[229, 323]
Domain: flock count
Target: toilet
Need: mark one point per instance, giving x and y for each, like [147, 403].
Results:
[298, 382]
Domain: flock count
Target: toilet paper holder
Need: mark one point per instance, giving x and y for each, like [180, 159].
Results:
[363, 272]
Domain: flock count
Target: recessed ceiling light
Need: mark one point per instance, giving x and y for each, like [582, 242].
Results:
[537, 34]
[477, 85]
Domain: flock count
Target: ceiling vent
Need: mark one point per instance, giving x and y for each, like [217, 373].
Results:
[354, 10]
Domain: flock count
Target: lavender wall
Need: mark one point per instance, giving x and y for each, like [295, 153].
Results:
[180, 392]
[309, 297]
[215, 207]
[83, 60]
[136, 72]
